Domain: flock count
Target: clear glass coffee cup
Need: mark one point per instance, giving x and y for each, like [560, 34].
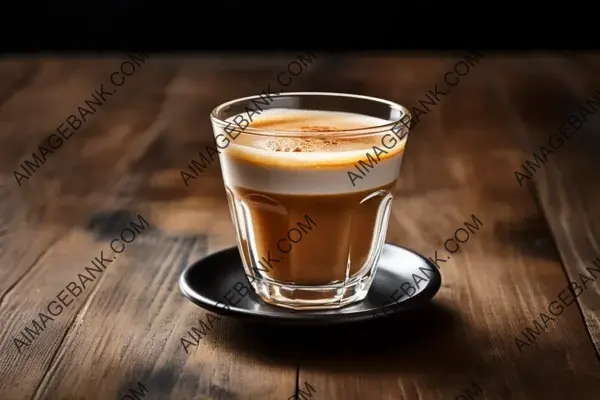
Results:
[310, 179]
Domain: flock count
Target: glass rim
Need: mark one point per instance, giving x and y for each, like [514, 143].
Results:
[297, 133]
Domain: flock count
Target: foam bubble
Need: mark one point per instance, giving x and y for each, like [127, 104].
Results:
[312, 145]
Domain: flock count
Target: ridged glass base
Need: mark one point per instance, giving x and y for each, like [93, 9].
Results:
[324, 297]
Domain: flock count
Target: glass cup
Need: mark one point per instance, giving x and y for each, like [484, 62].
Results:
[310, 204]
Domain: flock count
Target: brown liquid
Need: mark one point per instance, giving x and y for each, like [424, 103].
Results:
[336, 235]
[335, 240]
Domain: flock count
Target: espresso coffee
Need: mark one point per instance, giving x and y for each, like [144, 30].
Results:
[274, 182]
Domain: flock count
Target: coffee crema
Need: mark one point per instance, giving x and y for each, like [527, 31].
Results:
[308, 165]
[273, 181]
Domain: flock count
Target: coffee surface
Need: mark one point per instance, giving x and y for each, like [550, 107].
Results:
[317, 123]
[313, 121]
[326, 138]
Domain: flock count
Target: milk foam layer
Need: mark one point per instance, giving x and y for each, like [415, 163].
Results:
[311, 165]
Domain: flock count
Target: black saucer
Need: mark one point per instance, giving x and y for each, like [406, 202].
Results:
[209, 281]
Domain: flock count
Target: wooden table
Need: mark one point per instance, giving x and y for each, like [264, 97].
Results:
[124, 328]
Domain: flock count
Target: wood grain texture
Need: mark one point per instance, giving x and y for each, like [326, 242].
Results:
[126, 326]
[566, 185]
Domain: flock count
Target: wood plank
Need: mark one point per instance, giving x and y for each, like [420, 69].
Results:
[492, 289]
[128, 329]
[567, 182]
[460, 160]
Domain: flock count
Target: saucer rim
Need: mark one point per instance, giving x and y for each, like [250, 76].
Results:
[288, 316]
